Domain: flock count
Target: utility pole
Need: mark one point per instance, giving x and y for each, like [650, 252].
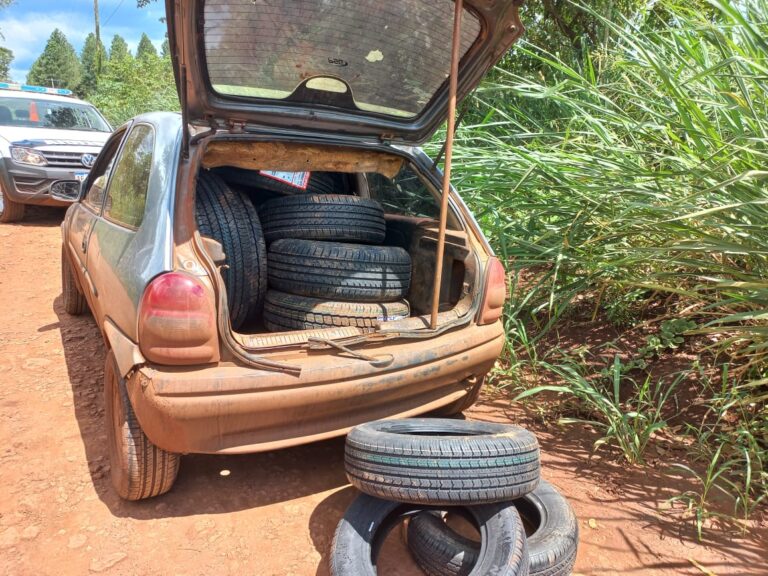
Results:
[98, 36]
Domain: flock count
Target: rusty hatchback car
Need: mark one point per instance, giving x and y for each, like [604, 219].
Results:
[261, 265]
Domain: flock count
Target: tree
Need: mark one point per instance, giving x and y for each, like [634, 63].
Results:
[165, 49]
[146, 49]
[90, 57]
[6, 57]
[119, 50]
[58, 65]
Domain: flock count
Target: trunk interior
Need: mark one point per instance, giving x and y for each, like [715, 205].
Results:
[268, 173]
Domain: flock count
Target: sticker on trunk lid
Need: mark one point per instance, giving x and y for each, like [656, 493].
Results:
[296, 179]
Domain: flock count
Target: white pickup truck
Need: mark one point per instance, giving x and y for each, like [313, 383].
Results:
[48, 142]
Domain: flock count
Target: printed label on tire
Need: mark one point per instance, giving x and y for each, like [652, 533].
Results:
[296, 179]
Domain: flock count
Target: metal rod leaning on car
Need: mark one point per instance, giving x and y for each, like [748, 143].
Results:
[452, 89]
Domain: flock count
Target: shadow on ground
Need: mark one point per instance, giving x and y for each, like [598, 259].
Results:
[206, 484]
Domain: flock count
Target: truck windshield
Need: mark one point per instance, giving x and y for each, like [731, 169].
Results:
[36, 113]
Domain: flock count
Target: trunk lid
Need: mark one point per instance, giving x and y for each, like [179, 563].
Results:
[352, 68]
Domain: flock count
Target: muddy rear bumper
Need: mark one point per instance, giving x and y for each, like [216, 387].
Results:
[233, 409]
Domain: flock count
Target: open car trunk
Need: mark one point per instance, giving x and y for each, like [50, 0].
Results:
[249, 177]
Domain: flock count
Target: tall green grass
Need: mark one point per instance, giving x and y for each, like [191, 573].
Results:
[642, 168]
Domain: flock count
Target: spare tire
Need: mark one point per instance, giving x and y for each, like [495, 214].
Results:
[229, 218]
[368, 520]
[438, 461]
[286, 312]
[317, 182]
[324, 217]
[552, 542]
[337, 271]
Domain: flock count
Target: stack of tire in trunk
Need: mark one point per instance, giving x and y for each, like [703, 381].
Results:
[326, 265]
[430, 471]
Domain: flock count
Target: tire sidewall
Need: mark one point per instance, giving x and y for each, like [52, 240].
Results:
[503, 551]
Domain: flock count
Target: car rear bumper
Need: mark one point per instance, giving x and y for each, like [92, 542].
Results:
[234, 409]
[31, 185]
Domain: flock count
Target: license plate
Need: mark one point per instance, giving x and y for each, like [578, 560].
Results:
[81, 176]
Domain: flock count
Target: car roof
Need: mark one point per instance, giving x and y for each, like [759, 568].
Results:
[42, 96]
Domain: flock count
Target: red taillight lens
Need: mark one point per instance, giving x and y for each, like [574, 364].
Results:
[177, 321]
[495, 293]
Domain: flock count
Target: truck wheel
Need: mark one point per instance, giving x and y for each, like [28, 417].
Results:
[139, 469]
[337, 271]
[10, 211]
[286, 312]
[332, 217]
[437, 461]
[552, 543]
[73, 300]
[229, 218]
[367, 521]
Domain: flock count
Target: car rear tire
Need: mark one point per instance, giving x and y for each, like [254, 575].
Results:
[337, 271]
[74, 301]
[229, 218]
[285, 312]
[552, 544]
[10, 211]
[442, 462]
[333, 217]
[367, 521]
[138, 468]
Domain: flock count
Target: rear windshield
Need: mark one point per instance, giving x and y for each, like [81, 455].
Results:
[394, 56]
[35, 113]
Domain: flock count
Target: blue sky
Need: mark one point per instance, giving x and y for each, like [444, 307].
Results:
[27, 24]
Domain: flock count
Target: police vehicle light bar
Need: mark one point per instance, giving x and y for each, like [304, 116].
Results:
[35, 89]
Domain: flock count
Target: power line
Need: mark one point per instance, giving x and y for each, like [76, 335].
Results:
[113, 12]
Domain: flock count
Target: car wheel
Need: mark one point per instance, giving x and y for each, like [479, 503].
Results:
[10, 211]
[552, 542]
[337, 271]
[368, 520]
[229, 218]
[138, 468]
[324, 217]
[285, 312]
[73, 300]
[456, 408]
[438, 461]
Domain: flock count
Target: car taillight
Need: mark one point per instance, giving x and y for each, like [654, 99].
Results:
[177, 321]
[495, 293]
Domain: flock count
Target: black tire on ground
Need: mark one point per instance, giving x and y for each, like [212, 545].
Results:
[437, 461]
[73, 300]
[229, 218]
[138, 468]
[552, 542]
[367, 521]
[318, 183]
[331, 217]
[10, 211]
[285, 312]
[338, 271]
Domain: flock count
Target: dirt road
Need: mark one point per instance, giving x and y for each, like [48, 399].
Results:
[265, 514]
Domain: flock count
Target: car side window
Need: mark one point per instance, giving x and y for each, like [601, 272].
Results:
[127, 192]
[404, 194]
[95, 196]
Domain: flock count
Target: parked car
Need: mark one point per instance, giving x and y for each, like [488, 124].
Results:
[261, 265]
[48, 142]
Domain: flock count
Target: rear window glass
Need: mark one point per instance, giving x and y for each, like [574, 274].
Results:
[394, 56]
